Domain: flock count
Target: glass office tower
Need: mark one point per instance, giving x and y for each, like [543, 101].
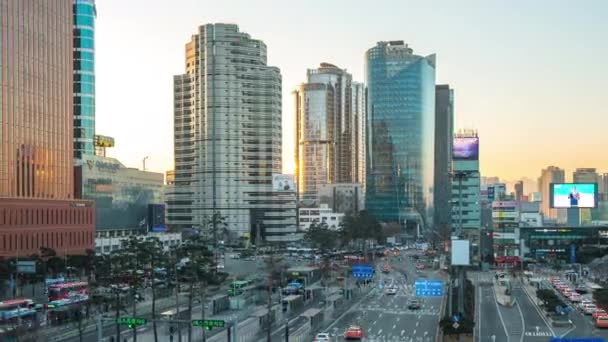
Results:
[84, 77]
[400, 139]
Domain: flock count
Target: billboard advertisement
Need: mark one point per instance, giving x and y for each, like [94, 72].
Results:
[573, 195]
[460, 253]
[505, 204]
[466, 148]
[283, 182]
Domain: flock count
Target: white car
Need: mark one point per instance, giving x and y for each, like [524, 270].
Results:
[220, 266]
[589, 309]
[322, 337]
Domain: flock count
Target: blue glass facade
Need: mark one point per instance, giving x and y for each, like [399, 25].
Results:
[400, 139]
[84, 77]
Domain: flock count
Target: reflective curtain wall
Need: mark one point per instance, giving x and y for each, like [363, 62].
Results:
[36, 99]
[400, 139]
[84, 77]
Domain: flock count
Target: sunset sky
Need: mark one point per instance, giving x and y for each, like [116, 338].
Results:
[530, 76]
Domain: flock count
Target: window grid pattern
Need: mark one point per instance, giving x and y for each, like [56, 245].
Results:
[36, 99]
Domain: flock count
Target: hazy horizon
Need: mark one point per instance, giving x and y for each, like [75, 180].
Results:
[527, 76]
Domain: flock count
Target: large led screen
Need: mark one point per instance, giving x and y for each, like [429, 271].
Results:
[573, 195]
[466, 148]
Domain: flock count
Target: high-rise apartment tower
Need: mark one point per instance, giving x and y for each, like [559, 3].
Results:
[227, 138]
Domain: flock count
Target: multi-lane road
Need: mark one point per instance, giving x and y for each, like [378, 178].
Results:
[386, 317]
[524, 321]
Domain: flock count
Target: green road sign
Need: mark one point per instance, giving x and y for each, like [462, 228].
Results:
[208, 324]
[131, 322]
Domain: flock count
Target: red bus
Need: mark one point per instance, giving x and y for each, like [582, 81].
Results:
[68, 290]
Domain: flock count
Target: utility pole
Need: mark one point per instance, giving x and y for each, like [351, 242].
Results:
[460, 175]
[144, 162]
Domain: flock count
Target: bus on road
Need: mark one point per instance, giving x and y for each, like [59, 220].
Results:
[14, 308]
[68, 290]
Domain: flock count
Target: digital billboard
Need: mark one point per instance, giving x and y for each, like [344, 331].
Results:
[283, 182]
[466, 148]
[573, 195]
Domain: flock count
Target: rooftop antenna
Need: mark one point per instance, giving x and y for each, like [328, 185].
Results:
[144, 161]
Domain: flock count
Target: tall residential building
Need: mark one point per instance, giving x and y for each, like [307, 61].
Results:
[444, 138]
[400, 137]
[84, 77]
[227, 138]
[37, 206]
[552, 174]
[327, 130]
[342, 198]
[519, 191]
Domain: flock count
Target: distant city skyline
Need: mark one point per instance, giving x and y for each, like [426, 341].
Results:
[524, 105]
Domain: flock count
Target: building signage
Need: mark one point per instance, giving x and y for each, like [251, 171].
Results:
[552, 230]
[510, 236]
[505, 214]
[107, 167]
[504, 204]
[283, 182]
[549, 250]
[28, 267]
[491, 193]
[103, 166]
[572, 253]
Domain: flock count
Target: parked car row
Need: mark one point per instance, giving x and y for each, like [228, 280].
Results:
[587, 306]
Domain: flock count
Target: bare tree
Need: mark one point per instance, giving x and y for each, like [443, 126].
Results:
[274, 268]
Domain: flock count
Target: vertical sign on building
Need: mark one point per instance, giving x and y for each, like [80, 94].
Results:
[572, 253]
[491, 193]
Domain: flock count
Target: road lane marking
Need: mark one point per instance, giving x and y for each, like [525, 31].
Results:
[500, 314]
[538, 310]
[523, 323]
[417, 323]
[394, 326]
[414, 332]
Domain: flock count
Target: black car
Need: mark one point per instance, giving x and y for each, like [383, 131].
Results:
[414, 305]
